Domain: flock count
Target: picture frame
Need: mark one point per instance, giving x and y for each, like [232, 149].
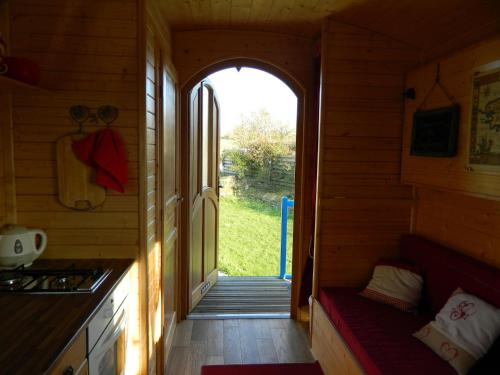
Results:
[484, 132]
[435, 132]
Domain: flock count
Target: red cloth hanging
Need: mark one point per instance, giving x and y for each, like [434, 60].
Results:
[104, 151]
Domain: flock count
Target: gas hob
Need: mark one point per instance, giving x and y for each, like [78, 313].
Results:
[52, 281]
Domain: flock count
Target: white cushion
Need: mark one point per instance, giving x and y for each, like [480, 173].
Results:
[464, 330]
[469, 322]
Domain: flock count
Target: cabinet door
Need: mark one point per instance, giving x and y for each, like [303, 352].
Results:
[171, 205]
[73, 359]
[84, 369]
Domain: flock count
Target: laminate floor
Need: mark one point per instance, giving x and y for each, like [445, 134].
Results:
[235, 341]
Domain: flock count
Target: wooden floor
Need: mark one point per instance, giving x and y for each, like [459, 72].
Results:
[200, 342]
[246, 295]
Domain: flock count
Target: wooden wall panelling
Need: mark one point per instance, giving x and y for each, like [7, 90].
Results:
[363, 209]
[435, 27]
[196, 51]
[468, 224]
[4, 122]
[456, 73]
[8, 211]
[8, 214]
[87, 51]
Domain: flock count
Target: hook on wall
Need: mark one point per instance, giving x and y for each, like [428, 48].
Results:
[410, 93]
[437, 82]
[82, 114]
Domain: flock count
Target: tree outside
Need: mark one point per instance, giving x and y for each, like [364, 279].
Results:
[258, 168]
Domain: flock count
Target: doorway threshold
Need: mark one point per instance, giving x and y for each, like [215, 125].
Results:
[238, 316]
[249, 297]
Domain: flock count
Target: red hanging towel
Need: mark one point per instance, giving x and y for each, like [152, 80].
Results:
[111, 159]
[105, 152]
[84, 148]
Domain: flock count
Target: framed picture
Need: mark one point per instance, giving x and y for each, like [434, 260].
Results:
[435, 132]
[484, 145]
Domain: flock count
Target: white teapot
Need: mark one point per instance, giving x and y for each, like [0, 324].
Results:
[20, 245]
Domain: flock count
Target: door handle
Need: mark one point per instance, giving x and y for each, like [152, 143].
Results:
[221, 187]
[180, 199]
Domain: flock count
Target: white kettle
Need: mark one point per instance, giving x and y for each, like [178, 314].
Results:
[20, 245]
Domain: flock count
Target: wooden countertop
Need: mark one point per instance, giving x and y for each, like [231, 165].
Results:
[35, 330]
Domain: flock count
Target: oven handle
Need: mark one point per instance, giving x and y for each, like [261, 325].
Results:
[113, 335]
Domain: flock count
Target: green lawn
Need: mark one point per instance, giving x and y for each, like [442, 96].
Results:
[249, 238]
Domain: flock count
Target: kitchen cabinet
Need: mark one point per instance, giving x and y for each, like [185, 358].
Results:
[84, 370]
[73, 361]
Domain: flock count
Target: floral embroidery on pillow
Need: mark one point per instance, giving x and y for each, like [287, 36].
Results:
[456, 356]
[448, 352]
[463, 310]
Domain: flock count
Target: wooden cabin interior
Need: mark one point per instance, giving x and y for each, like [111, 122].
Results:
[364, 190]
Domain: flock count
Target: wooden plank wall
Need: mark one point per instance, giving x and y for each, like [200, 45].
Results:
[445, 209]
[5, 132]
[8, 212]
[88, 54]
[196, 50]
[456, 71]
[363, 208]
[468, 224]
[3, 208]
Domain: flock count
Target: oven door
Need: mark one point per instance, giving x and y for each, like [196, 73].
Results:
[108, 355]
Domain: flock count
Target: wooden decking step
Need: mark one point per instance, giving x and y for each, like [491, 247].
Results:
[246, 295]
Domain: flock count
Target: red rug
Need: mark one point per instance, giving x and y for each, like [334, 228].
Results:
[278, 369]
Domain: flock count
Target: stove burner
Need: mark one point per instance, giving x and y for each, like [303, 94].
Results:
[10, 280]
[11, 277]
[62, 280]
[69, 280]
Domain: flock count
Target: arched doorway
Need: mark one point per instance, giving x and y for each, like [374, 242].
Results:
[193, 288]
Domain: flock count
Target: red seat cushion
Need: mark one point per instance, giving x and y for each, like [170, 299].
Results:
[380, 336]
[274, 369]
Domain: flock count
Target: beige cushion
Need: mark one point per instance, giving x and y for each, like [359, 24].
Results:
[395, 286]
[458, 358]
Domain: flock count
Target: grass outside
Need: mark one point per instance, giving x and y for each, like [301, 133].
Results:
[249, 238]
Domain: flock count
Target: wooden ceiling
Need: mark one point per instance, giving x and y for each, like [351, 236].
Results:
[431, 25]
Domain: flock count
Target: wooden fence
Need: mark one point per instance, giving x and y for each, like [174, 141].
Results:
[279, 175]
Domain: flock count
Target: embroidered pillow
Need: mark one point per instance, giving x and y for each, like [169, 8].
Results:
[464, 330]
[396, 284]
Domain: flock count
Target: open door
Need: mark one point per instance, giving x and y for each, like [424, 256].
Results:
[204, 190]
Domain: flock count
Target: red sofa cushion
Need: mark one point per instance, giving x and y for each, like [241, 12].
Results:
[274, 369]
[380, 336]
[444, 270]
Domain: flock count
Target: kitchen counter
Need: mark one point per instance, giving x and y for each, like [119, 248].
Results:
[36, 329]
